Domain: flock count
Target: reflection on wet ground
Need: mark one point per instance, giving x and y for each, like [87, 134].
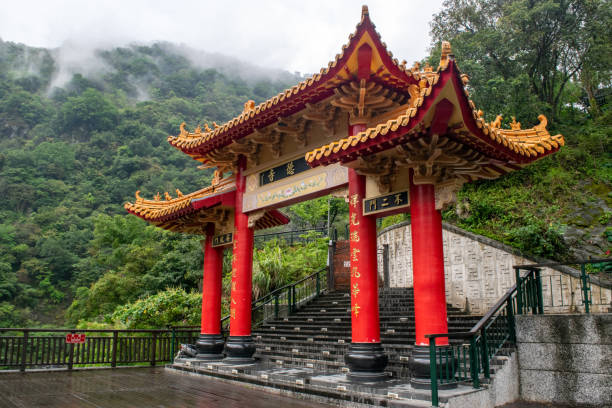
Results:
[133, 387]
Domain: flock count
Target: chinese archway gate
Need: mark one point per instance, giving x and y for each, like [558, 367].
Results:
[388, 137]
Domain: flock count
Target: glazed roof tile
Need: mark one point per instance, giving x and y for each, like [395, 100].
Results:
[181, 213]
[310, 90]
[159, 210]
[523, 145]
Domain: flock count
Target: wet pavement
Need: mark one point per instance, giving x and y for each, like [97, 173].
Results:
[133, 387]
[525, 404]
[316, 382]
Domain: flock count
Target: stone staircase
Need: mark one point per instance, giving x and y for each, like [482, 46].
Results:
[303, 355]
[317, 336]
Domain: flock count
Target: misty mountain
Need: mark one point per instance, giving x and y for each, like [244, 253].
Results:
[134, 68]
[80, 132]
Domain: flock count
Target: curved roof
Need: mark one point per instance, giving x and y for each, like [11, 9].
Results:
[346, 66]
[190, 213]
[508, 145]
[158, 210]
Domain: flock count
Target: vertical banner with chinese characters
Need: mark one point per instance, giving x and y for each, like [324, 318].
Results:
[365, 324]
[242, 265]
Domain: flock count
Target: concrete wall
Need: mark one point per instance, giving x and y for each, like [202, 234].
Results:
[480, 269]
[565, 359]
[503, 389]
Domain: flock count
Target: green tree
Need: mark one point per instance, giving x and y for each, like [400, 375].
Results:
[539, 44]
[170, 307]
[88, 112]
[314, 213]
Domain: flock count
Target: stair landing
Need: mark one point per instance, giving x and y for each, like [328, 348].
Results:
[303, 354]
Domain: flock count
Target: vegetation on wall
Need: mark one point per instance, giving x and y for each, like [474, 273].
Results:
[524, 58]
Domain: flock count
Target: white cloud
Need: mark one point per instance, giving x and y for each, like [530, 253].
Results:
[294, 35]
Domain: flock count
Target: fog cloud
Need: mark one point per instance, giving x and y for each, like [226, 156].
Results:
[289, 35]
[72, 58]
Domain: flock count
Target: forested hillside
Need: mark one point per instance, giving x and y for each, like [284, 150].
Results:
[77, 139]
[74, 150]
[525, 58]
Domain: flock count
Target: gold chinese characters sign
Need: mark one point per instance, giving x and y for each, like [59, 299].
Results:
[300, 185]
[392, 201]
[283, 171]
[223, 239]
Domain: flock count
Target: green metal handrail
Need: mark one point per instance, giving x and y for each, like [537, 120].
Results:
[285, 300]
[468, 360]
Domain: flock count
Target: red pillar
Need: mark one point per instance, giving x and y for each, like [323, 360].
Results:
[211, 285]
[210, 343]
[365, 358]
[365, 323]
[427, 264]
[240, 345]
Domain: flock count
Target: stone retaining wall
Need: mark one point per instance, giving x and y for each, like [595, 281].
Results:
[479, 270]
[565, 359]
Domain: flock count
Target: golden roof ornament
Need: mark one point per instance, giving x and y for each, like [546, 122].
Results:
[157, 197]
[414, 92]
[206, 128]
[179, 193]
[514, 125]
[167, 196]
[183, 129]
[444, 56]
[364, 12]
[465, 79]
[542, 124]
[496, 124]
[139, 199]
[217, 176]
[249, 106]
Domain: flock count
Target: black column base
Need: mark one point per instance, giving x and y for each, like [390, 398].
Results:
[239, 350]
[210, 347]
[366, 362]
[420, 369]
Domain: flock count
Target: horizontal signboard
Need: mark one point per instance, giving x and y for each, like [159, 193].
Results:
[283, 171]
[223, 239]
[293, 189]
[386, 202]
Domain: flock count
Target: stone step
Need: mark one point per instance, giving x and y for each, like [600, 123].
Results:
[331, 328]
[346, 321]
[269, 345]
[397, 368]
[264, 341]
[318, 334]
[323, 355]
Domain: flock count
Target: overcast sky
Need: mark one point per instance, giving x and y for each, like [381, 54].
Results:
[293, 35]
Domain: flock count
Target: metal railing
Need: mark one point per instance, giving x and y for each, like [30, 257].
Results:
[468, 355]
[293, 237]
[286, 300]
[23, 348]
[600, 270]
